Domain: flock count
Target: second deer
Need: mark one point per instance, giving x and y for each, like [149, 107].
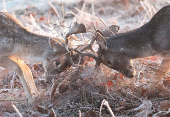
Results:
[153, 38]
[17, 44]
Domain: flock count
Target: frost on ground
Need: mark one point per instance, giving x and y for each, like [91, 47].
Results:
[82, 89]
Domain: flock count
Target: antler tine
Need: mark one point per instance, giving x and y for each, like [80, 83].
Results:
[80, 28]
[82, 54]
[77, 28]
[89, 46]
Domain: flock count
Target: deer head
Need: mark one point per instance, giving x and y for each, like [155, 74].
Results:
[115, 59]
[63, 57]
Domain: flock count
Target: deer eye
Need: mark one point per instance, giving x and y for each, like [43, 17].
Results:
[109, 63]
[57, 63]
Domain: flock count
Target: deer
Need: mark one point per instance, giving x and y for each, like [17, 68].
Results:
[152, 38]
[18, 44]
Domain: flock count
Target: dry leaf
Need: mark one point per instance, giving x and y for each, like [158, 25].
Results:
[7, 106]
[42, 109]
[123, 102]
[1, 115]
[109, 84]
[144, 92]
[42, 18]
[51, 114]
[166, 82]
[144, 108]
[63, 87]
[162, 114]
[165, 105]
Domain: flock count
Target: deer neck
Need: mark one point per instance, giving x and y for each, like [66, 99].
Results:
[133, 44]
[31, 47]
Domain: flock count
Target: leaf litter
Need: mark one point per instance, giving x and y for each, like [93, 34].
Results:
[82, 89]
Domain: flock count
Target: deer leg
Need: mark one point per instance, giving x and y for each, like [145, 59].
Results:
[27, 74]
[9, 64]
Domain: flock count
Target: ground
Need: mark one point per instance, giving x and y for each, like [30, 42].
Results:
[82, 89]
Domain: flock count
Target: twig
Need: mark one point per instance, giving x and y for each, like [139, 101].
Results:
[61, 25]
[132, 95]
[36, 25]
[54, 112]
[144, 19]
[63, 10]
[145, 9]
[104, 102]
[93, 14]
[16, 110]
[153, 9]
[54, 9]
[149, 6]
[84, 5]
[161, 71]
[11, 100]
[4, 6]
[107, 91]
[102, 95]
[104, 23]
[79, 113]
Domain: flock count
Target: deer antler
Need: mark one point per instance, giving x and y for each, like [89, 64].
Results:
[80, 28]
[75, 29]
[89, 46]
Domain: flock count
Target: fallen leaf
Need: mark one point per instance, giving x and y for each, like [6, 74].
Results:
[7, 106]
[63, 87]
[144, 108]
[144, 92]
[121, 76]
[42, 18]
[165, 105]
[42, 109]
[123, 102]
[162, 114]
[166, 82]
[109, 84]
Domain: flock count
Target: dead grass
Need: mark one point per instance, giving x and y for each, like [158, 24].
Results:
[82, 89]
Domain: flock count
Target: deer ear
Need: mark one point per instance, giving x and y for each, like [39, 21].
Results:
[101, 41]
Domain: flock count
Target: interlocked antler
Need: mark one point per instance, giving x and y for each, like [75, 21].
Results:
[80, 28]
[89, 46]
[77, 28]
